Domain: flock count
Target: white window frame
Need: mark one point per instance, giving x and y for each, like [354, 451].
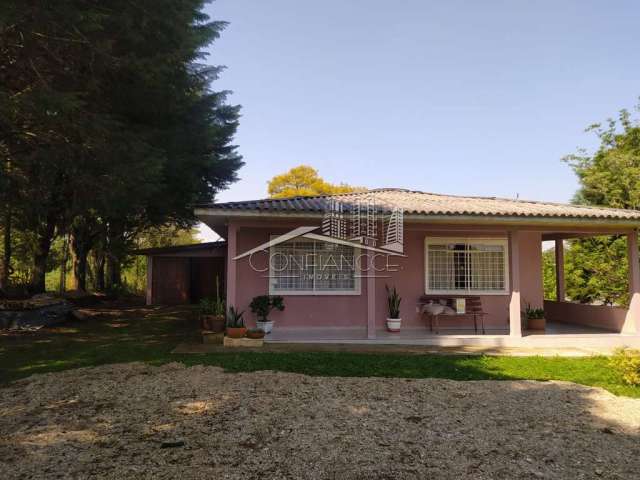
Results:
[504, 242]
[356, 285]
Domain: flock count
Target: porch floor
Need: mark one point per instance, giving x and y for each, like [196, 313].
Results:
[557, 334]
[350, 333]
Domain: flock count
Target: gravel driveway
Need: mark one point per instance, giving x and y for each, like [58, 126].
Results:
[137, 421]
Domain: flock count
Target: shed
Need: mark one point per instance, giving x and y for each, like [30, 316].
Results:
[186, 273]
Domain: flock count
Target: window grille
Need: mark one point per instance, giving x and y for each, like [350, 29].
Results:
[466, 266]
[310, 267]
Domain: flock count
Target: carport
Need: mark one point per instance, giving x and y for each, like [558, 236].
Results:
[184, 274]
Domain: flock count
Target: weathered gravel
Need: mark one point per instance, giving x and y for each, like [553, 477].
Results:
[137, 421]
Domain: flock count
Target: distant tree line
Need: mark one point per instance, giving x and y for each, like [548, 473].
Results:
[109, 131]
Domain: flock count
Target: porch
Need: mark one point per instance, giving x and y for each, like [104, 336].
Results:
[556, 335]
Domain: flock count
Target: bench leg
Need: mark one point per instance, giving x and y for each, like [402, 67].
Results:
[475, 324]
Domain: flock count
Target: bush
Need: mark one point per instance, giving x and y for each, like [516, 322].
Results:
[627, 364]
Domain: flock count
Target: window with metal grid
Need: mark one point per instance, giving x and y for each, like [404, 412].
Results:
[466, 265]
[310, 267]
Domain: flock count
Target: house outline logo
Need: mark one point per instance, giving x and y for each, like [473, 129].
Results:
[356, 226]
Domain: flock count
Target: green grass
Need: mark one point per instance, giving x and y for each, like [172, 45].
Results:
[150, 339]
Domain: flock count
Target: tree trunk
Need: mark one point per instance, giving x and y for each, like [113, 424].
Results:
[63, 265]
[45, 237]
[80, 252]
[99, 277]
[114, 279]
[5, 269]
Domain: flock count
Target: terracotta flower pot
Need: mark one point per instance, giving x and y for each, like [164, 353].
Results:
[255, 334]
[536, 323]
[236, 332]
[212, 323]
[217, 323]
[205, 321]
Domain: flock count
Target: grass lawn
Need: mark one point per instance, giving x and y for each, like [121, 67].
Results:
[151, 338]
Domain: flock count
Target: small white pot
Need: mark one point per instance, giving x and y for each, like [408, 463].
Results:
[266, 327]
[393, 324]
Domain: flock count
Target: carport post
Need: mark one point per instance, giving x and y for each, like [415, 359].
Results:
[560, 293]
[232, 235]
[371, 296]
[515, 318]
[632, 319]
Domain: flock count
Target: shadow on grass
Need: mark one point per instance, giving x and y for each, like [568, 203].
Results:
[151, 338]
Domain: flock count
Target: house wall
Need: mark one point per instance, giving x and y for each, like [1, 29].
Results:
[409, 279]
[532, 290]
[300, 310]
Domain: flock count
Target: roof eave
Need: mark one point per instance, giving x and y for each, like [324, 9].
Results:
[468, 219]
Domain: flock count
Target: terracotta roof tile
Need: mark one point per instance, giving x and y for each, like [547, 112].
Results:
[423, 203]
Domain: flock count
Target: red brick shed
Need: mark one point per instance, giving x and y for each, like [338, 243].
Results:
[185, 274]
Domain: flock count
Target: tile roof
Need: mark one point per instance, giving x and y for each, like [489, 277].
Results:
[181, 248]
[423, 203]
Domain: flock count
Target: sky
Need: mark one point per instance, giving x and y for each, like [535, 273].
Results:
[459, 97]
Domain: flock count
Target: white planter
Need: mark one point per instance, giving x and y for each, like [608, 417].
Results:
[393, 324]
[266, 327]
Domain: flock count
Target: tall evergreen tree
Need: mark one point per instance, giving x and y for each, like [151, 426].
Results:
[110, 121]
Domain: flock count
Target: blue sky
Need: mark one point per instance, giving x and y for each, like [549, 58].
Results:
[473, 97]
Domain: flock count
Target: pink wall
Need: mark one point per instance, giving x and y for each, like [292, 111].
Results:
[599, 316]
[351, 311]
[410, 282]
[531, 287]
[300, 310]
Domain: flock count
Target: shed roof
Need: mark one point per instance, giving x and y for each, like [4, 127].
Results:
[181, 248]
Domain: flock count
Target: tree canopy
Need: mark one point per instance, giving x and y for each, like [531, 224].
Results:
[304, 181]
[109, 124]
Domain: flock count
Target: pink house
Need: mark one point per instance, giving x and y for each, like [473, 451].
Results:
[437, 247]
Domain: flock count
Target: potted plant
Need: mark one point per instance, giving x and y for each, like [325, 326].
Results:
[535, 318]
[235, 324]
[212, 312]
[262, 306]
[255, 333]
[393, 320]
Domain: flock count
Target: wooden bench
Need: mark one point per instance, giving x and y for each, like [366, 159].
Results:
[473, 310]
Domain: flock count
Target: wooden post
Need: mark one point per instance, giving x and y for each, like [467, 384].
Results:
[149, 289]
[371, 296]
[632, 319]
[515, 320]
[560, 293]
[232, 236]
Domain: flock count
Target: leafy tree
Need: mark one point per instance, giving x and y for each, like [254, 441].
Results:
[304, 181]
[596, 268]
[549, 273]
[611, 176]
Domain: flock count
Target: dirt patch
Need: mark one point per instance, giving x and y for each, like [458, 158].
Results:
[138, 421]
